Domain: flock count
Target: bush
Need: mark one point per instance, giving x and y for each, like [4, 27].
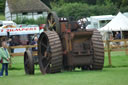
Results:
[40, 20]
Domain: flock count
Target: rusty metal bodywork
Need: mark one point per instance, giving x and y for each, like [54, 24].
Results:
[76, 45]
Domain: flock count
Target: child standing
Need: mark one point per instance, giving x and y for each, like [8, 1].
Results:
[5, 58]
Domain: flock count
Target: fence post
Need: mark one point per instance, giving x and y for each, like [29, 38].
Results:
[125, 46]
[27, 47]
[109, 52]
[9, 50]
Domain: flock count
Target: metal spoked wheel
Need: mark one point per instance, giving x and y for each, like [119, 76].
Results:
[28, 62]
[50, 52]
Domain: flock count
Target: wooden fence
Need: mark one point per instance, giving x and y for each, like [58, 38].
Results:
[110, 46]
[19, 54]
[115, 45]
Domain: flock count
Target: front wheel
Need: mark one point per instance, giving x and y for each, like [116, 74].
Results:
[28, 63]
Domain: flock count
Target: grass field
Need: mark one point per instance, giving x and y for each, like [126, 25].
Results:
[118, 75]
[2, 17]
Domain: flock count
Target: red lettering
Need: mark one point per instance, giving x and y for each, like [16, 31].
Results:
[26, 29]
[34, 28]
[17, 30]
[11, 30]
[2, 30]
[22, 29]
[31, 28]
[7, 30]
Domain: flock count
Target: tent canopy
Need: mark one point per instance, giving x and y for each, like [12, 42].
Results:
[119, 23]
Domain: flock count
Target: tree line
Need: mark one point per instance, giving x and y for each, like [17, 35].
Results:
[82, 8]
[119, 3]
[86, 8]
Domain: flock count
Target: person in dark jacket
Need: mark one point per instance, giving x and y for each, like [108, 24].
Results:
[118, 35]
[34, 43]
[35, 48]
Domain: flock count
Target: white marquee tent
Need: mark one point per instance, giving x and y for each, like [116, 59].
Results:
[119, 23]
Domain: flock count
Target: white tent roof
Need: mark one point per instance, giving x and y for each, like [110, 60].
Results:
[103, 17]
[119, 23]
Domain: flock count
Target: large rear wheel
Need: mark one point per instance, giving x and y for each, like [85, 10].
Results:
[98, 51]
[50, 52]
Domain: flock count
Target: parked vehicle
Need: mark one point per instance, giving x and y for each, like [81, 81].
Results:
[7, 24]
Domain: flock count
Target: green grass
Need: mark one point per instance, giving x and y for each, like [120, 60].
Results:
[113, 76]
[2, 17]
[108, 76]
[119, 59]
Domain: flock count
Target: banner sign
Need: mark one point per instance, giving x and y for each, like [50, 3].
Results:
[19, 31]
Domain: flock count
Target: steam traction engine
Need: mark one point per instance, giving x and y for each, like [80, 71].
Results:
[64, 46]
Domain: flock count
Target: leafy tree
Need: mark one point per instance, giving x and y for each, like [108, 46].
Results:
[2, 6]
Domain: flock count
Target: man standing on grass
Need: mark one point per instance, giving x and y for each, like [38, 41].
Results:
[5, 58]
